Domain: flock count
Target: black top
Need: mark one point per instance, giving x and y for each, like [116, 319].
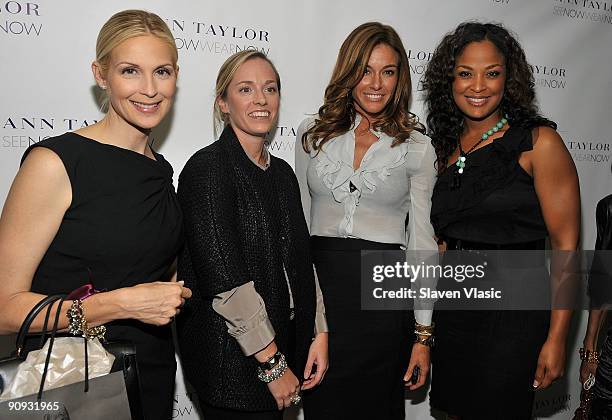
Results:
[603, 216]
[600, 287]
[496, 202]
[601, 294]
[123, 227]
[242, 224]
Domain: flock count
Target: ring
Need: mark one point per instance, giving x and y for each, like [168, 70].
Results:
[296, 398]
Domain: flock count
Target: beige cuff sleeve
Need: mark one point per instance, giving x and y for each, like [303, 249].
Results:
[423, 316]
[320, 319]
[246, 318]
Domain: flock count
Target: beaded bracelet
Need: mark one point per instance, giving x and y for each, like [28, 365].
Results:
[274, 373]
[591, 356]
[77, 323]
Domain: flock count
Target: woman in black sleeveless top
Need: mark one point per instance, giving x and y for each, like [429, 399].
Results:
[598, 363]
[506, 182]
[98, 206]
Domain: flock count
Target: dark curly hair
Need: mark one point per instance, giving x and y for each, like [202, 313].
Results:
[444, 119]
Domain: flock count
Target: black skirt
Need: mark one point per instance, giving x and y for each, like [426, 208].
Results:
[484, 361]
[602, 391]
[369, 351]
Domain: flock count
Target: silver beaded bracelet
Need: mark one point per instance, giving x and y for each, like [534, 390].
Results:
[274, 373]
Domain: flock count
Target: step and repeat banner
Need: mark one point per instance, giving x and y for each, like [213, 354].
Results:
[46, 86]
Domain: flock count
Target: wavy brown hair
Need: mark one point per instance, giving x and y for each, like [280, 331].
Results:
[337, 114]
[444, 119]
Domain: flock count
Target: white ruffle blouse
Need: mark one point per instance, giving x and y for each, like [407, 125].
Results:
[392, 184]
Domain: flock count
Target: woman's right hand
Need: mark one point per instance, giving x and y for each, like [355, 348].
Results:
[283, 388]
[154, 303]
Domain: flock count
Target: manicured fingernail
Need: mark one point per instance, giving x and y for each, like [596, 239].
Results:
[182, 282]
[536, 384]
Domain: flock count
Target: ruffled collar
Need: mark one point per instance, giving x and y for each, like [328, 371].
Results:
[335, 168]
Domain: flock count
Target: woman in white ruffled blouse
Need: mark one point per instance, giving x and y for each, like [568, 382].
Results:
[366, 175]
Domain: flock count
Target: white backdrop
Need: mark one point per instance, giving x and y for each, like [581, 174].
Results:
[46, 48]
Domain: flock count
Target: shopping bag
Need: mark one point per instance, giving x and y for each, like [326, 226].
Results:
[115, 395]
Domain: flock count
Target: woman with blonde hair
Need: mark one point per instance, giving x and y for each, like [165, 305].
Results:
[366, 175]
[97, 208]
[248, 339]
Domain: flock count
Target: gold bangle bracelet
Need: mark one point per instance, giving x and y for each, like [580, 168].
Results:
[426, 341]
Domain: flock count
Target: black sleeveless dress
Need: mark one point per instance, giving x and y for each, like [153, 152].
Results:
[484, 362]
[601, 294]
[123, 227]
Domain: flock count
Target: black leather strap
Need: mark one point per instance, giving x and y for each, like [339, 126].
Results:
[25, 326]
[50, 350]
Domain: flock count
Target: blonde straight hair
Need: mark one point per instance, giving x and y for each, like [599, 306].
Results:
[224, 78]
[125, 25]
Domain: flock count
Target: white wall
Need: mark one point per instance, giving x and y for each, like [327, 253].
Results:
[46, 47]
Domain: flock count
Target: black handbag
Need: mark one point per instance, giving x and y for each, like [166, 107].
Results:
[120, 385]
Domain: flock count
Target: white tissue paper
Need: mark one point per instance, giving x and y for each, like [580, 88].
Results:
[66, 366]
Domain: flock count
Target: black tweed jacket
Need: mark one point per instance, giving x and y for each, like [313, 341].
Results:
[241, 224]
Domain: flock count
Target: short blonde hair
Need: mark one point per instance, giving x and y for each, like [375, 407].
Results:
[130, 24]
[224, 78]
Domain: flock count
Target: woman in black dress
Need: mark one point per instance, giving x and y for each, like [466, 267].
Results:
[98, 206]
[506, 181]
[596, 363]
[247, 338]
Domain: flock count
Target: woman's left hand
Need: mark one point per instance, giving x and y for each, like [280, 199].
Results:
[551, 363]
[420, 357]
[317, 355]
[587, 370]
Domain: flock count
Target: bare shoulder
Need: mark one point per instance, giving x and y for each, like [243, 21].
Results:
[550, 156]
[546, 139]
[43, 161]
[42, 178]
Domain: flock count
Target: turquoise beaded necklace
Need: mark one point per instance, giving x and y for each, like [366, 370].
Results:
[463, 155]
[460, 164]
